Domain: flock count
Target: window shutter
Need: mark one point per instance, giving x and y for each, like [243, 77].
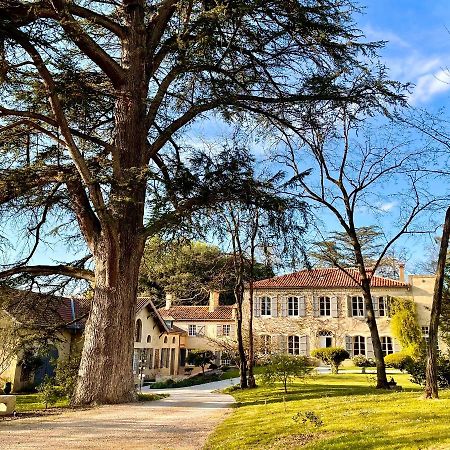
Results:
[274, 307]
[304, 350]
[315, 306]
[376, 306]
[284, 307]
[369, 347]
[232, 332]
[348, 345]
[282, 343]
[349, 306]
[302, 306]
[364, 307]
[396, 345]
[219, 330]
[257, 307]
[334, 307]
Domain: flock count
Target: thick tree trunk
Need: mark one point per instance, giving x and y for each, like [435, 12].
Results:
[431, 385]
[105, 374]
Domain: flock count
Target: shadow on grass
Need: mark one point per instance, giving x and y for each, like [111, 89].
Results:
[309, 392]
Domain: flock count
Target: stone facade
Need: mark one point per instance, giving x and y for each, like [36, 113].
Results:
[298, 319]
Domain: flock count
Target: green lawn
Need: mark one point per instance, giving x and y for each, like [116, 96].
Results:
[32, 402]
[355, 416]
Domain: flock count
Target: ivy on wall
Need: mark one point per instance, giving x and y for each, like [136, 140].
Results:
[405, 326]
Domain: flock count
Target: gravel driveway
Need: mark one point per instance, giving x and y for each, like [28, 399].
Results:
[182, 421]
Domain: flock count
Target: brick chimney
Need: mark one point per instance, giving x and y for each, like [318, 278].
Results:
[213, 300]
[401, 272]
[169, 299]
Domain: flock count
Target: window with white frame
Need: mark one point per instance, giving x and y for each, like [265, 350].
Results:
[324, 306]
[386, 345]
[357, 306]
[266, 343]
[226, 330]
[293, 306]
[266, 306]
[192, 330]
[359, 345]
[382, 306]
[294, 345]
[426, 333]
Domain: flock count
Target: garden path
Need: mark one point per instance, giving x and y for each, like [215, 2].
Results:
[182, 421]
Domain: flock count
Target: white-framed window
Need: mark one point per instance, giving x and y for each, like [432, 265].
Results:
[426, 333]
[266, 344]
[325, 338]
[359, 345]
[324, 306]
[226, 330]
[357, 306]
[294, 345]
[192, 330]
[293, 304]
[266, 306]
[382, 306]
[387, 346]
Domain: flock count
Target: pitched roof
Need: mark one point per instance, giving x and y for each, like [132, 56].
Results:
[44, 310]
[143, 302]
[197, 313]
[325, 278]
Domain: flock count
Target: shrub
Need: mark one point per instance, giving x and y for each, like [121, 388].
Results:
[200, 358]
[284, 368]
[417, 370]
[362, 361]
[398, 360]
[67, 373]
[49, 392]
[334, 356]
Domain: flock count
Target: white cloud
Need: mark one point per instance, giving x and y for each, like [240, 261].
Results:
[385, 207]
[429, 85]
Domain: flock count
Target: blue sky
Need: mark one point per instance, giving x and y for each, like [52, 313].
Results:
[417, 51]
[418, 48]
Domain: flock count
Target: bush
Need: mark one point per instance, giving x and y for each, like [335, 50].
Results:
[362, 361]
[49, 392]
[334, 356]
[398, 360]
[417, 370]
[200, 358]
[284, 368]
[213, 367]
[67, 373]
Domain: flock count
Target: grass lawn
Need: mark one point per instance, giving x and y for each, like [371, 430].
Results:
[355, 416]
[32, 402]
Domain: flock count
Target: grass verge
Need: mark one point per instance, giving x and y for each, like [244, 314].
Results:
[144, 397]
[354, 414]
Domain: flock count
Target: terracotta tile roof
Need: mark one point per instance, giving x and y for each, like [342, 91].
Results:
[44, 310]
[197, 313]
[324, 278]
